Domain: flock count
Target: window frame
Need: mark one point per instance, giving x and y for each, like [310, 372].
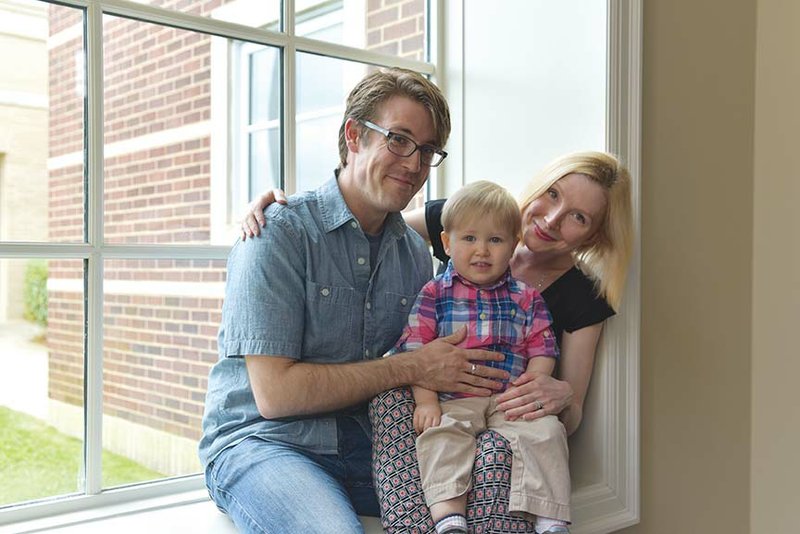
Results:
[624, 114]
[95, 501]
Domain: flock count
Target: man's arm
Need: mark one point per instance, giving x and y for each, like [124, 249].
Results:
[284, 387]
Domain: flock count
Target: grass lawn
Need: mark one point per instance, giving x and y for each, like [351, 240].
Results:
[37, 461]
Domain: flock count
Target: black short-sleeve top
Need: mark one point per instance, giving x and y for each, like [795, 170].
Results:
[572, 298]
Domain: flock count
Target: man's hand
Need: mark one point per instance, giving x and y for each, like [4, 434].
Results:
[441, 366]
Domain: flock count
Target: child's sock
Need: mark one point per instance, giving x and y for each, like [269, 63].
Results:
[545, 524]
[452, 524]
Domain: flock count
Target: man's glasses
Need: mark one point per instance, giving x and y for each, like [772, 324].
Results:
[402, 146]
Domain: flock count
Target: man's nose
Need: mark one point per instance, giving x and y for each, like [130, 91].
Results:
[413, 162]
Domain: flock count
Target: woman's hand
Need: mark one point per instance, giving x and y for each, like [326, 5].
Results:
[534, 395]
[253, 220]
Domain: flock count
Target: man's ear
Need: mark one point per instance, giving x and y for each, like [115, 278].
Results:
[352, 134]
[445, 241]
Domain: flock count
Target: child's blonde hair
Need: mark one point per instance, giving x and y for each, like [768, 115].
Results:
[482, 199]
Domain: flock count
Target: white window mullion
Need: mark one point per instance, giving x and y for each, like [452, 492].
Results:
[93, 408]
[289, 61]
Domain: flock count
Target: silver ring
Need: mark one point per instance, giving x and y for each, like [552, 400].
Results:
[537, 405]
[472, 369]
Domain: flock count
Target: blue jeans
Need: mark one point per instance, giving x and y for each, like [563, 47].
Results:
[271, 487]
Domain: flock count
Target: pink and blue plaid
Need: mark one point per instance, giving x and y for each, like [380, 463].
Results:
[507, 317]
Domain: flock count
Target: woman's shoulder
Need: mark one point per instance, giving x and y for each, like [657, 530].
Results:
[574, 302]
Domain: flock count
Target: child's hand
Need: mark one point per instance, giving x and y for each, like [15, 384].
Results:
[426, 416]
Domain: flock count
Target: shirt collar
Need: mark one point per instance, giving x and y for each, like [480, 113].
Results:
[335, 213]
[450, 274]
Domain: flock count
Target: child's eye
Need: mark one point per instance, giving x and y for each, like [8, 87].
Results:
[469, 238]
[496, 239]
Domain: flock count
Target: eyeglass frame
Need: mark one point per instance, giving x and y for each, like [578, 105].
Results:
[389, 134]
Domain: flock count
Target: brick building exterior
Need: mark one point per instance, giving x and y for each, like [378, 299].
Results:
[160, 317]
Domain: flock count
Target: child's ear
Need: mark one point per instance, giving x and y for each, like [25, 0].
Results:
[446, 242]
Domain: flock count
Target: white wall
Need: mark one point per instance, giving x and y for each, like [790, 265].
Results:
[534, 85]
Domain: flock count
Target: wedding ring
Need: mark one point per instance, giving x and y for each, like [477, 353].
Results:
[472, 369]
[537, 405]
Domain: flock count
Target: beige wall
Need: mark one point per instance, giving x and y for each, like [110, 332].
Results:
[720, 237]
[775, 468]
[697, 230]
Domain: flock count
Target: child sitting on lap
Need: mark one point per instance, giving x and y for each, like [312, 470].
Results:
[481, 229]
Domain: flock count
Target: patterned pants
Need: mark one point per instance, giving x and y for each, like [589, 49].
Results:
[396, 473]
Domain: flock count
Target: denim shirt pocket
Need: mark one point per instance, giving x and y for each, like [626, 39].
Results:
[391, 317]
[329, 331]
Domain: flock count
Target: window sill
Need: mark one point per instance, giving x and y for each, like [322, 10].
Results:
[186, 512]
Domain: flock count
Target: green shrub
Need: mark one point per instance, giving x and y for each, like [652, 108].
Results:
[36, 292]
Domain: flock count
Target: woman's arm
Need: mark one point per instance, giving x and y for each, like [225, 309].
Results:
[564, 396]
[416, 219]
[577, 362]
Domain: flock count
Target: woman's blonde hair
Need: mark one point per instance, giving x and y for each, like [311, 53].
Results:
[605, 256]
[482, 199]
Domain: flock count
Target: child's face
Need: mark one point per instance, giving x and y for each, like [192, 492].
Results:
[480, 249]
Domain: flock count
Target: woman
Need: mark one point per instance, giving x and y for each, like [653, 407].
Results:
[575, 248]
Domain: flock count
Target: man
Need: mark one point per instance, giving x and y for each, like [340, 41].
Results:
[309, 311]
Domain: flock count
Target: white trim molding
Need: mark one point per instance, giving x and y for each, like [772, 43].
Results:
[605, 450]
[613, 502]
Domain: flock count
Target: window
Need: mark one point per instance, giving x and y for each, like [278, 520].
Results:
[138, 127]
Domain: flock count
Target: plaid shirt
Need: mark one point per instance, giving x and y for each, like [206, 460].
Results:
[507, 317]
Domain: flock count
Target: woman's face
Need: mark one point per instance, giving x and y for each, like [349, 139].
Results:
[566, 216]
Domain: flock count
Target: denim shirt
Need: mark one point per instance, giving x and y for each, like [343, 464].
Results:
[305, 290]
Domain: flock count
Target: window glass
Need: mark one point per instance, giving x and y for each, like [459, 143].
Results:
[255, 13]
[42, 89]
[41, 385]
[390, 27]
[322, 87]
[160, 321]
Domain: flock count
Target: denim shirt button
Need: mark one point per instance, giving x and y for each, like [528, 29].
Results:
[403, 301]
[325, 292]
[361, 261]
[369, 305]
[366, 353]
[354, 224]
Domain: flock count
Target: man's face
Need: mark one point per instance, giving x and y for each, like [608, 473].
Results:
[385, 182]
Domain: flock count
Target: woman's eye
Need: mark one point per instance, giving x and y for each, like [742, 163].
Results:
[552, 193]
[580, 218]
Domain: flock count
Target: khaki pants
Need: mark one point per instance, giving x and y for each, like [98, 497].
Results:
[540, 483]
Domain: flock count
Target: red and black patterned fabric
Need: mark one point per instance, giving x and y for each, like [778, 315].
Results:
[396, 474]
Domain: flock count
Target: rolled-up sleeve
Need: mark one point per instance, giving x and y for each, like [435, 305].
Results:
[264, 309]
